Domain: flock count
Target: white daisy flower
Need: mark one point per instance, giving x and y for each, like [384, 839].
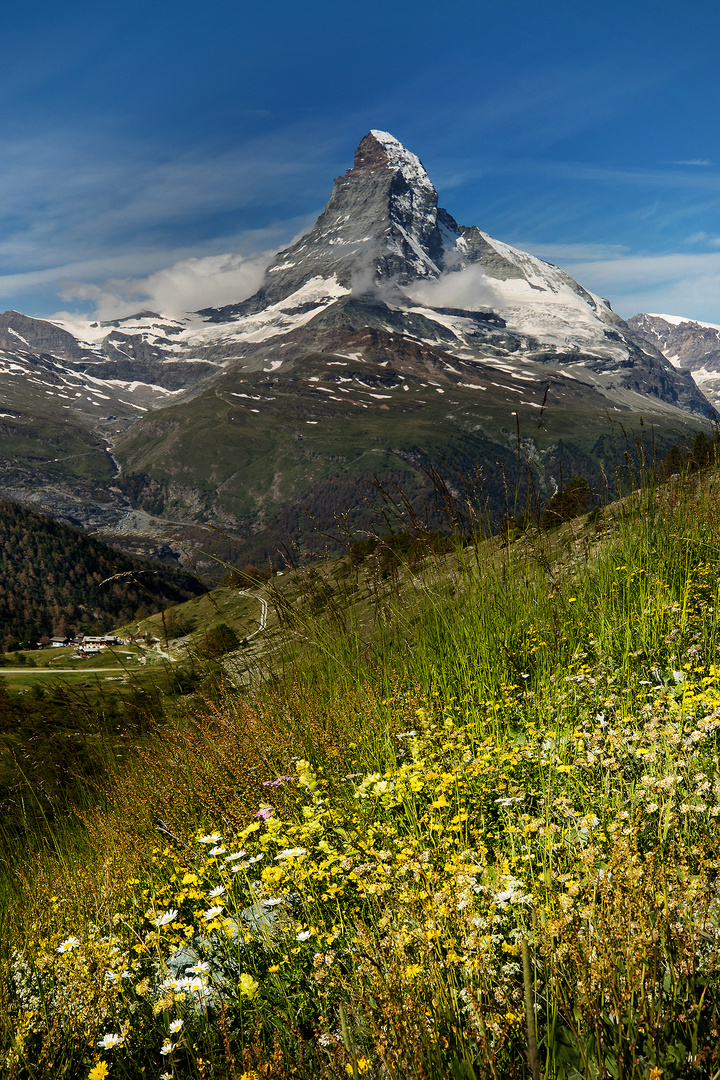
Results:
[211, 838]
[199, 968]
[290, 853]
[212, 912]
[68, 944]
[108, 1041]
[175, 1026]
[165, 917]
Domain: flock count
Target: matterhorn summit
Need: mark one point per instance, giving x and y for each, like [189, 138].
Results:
[380, 224]
[383, 225]
[383, 255]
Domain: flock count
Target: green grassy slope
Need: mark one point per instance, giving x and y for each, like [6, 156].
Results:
[254, 446]
[40, 440]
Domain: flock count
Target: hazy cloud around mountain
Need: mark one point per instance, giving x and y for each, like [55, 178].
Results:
[468, 289]
[187, 285]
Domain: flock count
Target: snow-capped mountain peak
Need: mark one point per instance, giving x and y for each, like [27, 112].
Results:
[397, 158]
[382, 254]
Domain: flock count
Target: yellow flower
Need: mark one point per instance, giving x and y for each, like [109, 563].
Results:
[99, 1071]
[362, 1066]
[306, 776]
[248, 986]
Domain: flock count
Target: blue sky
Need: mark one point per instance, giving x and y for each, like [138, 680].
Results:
[155, 153]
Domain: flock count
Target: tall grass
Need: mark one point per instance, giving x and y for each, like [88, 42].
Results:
[476, 801]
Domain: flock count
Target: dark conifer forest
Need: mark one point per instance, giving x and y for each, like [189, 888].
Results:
[57, 580]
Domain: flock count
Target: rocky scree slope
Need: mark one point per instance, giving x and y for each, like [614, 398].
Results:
[689, 345]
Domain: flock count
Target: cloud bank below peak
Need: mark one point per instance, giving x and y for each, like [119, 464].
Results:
[686, 284]
[186, 285]
[468, 289]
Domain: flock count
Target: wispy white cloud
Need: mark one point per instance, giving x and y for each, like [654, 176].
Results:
[174, 281]
[704, 164]
[558, 169]
[468, 289]
[676, 283]
[90, 210]
[87, 198]
[185, 286]
[704, 238]
[99, 217]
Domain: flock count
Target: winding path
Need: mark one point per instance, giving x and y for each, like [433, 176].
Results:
[263, 612]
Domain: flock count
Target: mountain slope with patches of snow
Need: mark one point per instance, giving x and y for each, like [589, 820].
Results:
[688, 344]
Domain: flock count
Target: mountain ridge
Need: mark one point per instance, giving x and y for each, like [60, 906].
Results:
[688, 344]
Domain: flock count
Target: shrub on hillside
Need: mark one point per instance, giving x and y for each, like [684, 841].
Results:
[572, 500]
[249, 577]
[176, 624]
[217, 641]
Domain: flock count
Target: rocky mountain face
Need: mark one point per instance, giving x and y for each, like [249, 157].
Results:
[387, 339]
[688, 345]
